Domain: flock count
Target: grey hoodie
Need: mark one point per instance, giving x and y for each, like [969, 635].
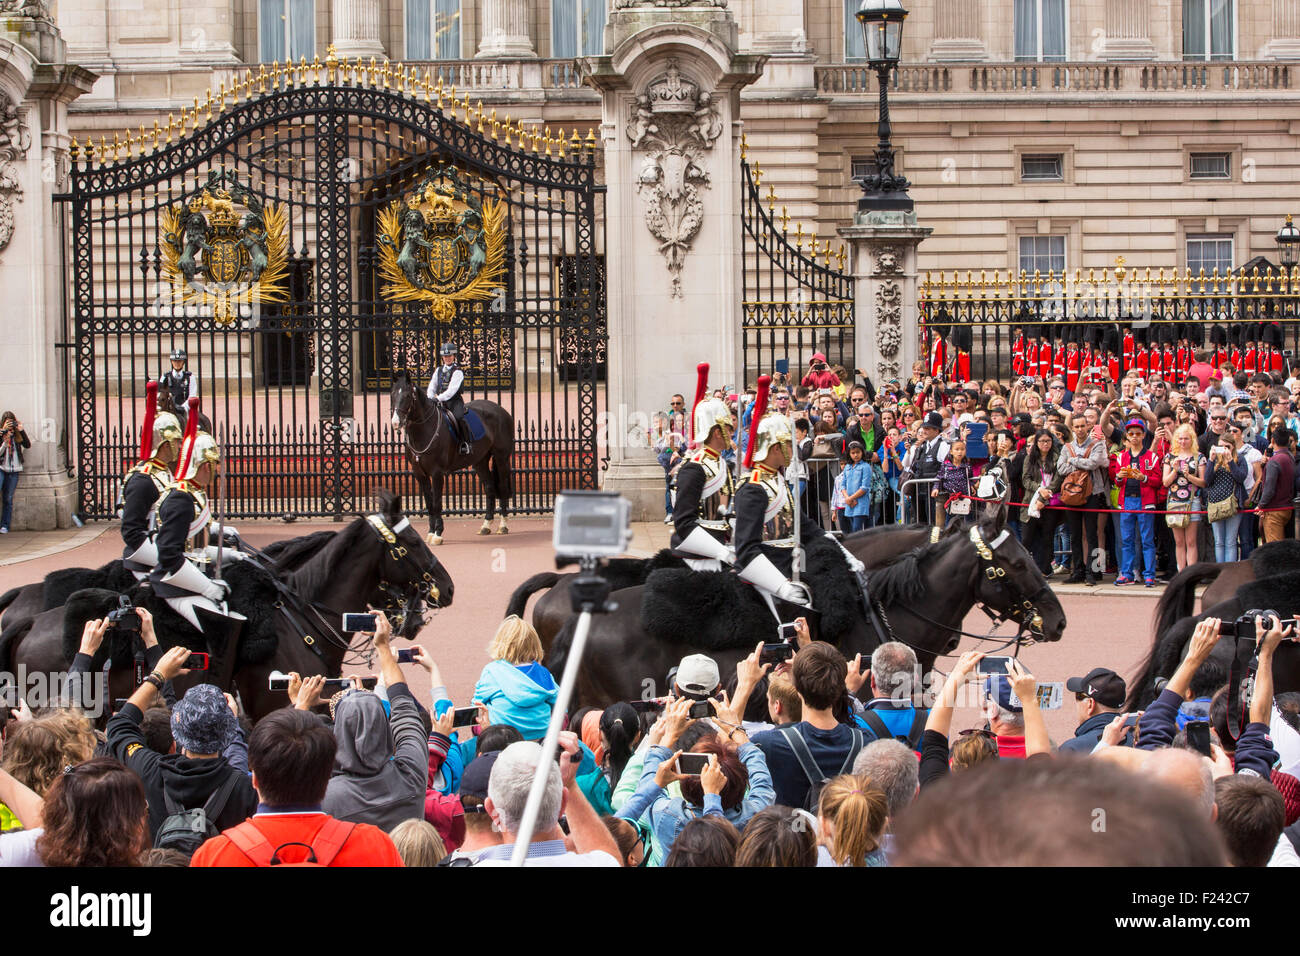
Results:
[370, 784]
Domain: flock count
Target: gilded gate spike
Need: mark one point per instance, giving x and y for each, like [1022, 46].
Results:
[590, 142]
[331, 61]
[372, 73]
[575, 142]
[117, 147]
[207, 104]
[427, 87]
[302, 71]
[261, 78]
[758, 175]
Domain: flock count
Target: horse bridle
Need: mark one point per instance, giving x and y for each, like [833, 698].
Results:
[403, 419]
[1024, 610]
[401, 602]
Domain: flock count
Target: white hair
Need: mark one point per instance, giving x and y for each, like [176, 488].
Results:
[893, 767]
[1183, 770]
[996, 712]
[888, 662]
[512, 778]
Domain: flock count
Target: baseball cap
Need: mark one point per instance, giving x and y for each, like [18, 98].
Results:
[474, 781]
[1135, 423]
[1101, 684]
[997, 687]
[697, 675]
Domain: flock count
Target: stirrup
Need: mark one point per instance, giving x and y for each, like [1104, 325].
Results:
[466, 448]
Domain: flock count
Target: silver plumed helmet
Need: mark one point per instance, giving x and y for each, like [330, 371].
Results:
[709, 413]
[774, 429]
[199, 450]
[166, 427]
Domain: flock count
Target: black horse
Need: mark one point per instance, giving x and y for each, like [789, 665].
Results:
[433, 449]
[357, 567]
[874, 547]
[925, 594]
[1279, 592]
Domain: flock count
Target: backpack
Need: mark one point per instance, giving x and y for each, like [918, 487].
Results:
[816, 779]
[187, 830]
[322, 850]
[882, 732]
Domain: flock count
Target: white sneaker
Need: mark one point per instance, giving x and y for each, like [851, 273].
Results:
[668, 519]
[4, 530]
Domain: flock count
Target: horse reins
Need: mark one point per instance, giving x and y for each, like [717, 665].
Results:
[402, 419]
[1026, 614]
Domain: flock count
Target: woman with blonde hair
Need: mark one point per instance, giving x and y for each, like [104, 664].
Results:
[1184, 477]
[37, 751]
[418, 843]
[515, 687]
[851, 818]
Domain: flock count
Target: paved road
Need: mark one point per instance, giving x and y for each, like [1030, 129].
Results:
[1104, 627]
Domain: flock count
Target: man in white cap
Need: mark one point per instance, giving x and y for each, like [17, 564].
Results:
[697, 677]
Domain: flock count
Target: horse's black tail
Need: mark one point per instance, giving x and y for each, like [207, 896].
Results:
[1179, 599]
[538, 582]
[8, 598]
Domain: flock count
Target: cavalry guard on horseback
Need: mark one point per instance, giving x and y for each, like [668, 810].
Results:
[445, 387]
[700, 529]
[141, 487]
[182, 515]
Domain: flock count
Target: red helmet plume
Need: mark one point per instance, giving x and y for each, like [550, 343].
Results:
[150, 413]
[760, 409]
[191, 432]
[701, 389]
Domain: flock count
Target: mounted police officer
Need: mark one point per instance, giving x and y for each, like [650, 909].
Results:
[145, 482]
[445, 387]
[181, 383]
[700, 529]
[183, 514]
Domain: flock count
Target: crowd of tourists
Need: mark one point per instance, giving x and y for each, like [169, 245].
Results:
[818, 761]
[1136, 478]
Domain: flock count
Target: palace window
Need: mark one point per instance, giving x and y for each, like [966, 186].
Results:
[286, 30]
[1040, 30]
[1209, 30]
[577, 28]
[1042, 168]
[433, 29]
[1043, 253]
[1209, 253]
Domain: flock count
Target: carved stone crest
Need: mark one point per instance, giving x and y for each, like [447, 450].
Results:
[889, 311]
[15, 139]
[674, 122]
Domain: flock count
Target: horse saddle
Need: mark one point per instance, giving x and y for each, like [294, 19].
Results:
[720, 612]
[473, 424]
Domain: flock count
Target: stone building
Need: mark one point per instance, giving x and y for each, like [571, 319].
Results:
[1037, 133]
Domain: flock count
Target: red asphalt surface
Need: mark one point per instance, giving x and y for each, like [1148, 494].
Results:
[1103, 628]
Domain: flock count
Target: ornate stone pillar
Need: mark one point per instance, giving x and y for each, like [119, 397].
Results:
[505, 30]
[670, 90]
[1127, 34]
[887, 329]
[958, 31]
[36, 85]
[1284, 44]
[356, 28]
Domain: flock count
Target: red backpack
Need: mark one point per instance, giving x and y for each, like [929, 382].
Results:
[322, 850]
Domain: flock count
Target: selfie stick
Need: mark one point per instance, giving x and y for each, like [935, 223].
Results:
[589, 594]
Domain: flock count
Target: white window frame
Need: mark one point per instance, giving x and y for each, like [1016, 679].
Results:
[1226, 176]
[577, 40]
[1201, 237]
[1038, 34]
[1208, 56]
[287, 53]
[433, 37]
[1020, 253]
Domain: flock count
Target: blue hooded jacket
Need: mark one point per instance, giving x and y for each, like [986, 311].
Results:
[519, 695]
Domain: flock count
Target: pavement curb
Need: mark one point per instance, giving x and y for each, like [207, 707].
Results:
[67, 540]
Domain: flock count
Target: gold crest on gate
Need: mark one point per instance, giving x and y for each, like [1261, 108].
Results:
[223, 249]
[442, 243]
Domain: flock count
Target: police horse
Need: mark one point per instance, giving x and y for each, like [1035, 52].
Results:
[433, 450]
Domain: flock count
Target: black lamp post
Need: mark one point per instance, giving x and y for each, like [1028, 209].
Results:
[882, 35]
[1288, 247]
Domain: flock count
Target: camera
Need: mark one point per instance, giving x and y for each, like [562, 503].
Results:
[592, 524]
[1243, 628]
[123, 617]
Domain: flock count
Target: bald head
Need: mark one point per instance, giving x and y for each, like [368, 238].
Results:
[1186, 771]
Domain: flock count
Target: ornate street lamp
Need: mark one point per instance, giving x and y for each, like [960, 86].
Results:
[882, 36]
[1288, 244]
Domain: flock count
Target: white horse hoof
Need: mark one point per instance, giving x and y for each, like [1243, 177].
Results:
[503, 529]
[433, 539]
[486, 528]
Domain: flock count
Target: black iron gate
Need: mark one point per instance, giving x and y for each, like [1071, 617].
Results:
[793, 304]
[335, 223]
